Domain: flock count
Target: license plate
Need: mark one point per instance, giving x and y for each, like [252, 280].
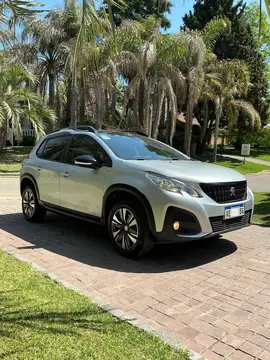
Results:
[234, 211]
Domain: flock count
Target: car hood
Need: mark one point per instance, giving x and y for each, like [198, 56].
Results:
[187, 170]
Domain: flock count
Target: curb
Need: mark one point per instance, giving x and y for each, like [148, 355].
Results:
[108, 307]
[9, 174]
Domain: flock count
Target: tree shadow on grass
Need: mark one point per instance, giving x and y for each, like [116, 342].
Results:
[71, 323]
[262, 209]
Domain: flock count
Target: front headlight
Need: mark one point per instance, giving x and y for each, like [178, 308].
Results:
[172, 185]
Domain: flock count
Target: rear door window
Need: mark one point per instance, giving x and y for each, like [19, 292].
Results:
[54, 148]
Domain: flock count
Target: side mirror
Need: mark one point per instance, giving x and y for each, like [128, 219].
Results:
[86, 161]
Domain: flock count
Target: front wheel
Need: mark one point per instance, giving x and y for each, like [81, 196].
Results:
[31, 208]
[129, 230]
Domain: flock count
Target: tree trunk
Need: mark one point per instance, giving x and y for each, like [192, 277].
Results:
[106, 105]
[205, 122]
[113, 110]
[216, 138]
[188, 128]
[141, 104]
[68, 106]
[82, 101]
[51, 90]
[168, 125]
[98, 99]
[158, 113]
[73, 106]
[58, 109]
[3, 135]
[163, 120]
[148, 112]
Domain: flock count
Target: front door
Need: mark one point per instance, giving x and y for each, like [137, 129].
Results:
[82, 189]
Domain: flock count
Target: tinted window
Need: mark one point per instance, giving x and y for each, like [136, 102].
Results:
[41, 148]
[54, 148]
[131, 147]
[85, 145]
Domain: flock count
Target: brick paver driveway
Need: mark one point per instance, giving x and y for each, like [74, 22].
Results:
[214, 297]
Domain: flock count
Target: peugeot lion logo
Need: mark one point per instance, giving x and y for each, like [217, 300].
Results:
[232, 191]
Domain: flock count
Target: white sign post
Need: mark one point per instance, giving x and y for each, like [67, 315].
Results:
[245, 151]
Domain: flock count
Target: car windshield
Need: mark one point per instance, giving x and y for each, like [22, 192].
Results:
[130, 146]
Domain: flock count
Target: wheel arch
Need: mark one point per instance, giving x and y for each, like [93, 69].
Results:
[117, 192]
[29, 180]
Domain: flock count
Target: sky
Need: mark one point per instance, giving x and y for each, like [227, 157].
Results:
[180, 8]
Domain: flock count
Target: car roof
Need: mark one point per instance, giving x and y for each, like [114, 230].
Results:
[92, 130]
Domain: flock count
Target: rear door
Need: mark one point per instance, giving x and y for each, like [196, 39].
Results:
[50, 166]
[82, 189]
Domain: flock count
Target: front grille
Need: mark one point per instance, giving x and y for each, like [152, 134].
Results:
[219, 224]
[224, 193]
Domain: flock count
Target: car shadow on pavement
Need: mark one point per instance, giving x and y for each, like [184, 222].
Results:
[89, 244]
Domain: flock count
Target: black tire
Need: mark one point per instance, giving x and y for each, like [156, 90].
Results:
[128, 234]
[32, 210]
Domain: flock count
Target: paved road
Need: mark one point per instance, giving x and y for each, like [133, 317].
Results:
[249, 159]
[259, 182]
[213, 297]
[9, 187]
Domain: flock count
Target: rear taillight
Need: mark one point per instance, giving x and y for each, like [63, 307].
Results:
[27, 157]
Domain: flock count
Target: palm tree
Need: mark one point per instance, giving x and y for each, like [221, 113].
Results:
[19, 103]
[91, 28]
[267, 5]
[47, 35]
[234, 82]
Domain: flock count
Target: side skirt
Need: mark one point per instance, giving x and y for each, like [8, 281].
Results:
[73, 213]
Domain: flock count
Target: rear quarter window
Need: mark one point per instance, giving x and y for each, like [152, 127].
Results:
[40, 149]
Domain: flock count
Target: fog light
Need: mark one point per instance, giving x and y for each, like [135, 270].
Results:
[176, 225]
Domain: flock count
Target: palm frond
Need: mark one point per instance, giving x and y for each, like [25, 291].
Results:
[213, 30]
[248, 109]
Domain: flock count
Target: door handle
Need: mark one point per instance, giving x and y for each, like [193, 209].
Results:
[38, 168]
[65, 174]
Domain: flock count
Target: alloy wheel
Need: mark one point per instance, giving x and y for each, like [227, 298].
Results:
[125, 229]
[28, 203]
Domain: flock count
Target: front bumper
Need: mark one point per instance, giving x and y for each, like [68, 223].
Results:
[199, 218]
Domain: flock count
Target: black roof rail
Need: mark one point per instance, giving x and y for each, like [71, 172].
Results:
[85, 128]
[141, 133]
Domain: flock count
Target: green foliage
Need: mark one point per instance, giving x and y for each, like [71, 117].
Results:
[257, 139]
[239, 43]
[262, 35]
[18, 102]
[206, 10]
[141, 9]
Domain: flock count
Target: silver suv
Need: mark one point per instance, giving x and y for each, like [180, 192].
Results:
[144, 191]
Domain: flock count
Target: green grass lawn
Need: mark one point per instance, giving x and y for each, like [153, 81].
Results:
[262, 208]
[42, 320]
[262, 155]
[11, 158]
[247, 168]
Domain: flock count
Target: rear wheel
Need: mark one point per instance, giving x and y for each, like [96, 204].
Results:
[129, 229]
[31, 208]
